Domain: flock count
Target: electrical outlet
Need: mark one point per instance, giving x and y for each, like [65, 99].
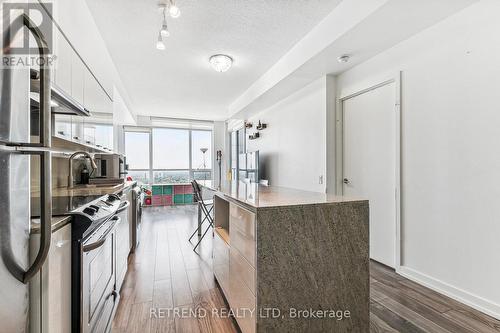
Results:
[321, 179]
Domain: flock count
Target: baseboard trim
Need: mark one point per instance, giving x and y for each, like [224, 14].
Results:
[481, 304]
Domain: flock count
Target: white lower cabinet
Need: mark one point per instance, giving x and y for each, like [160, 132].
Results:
[221, 263]
[241, 269]
[122, 247]
[234, 266]
[60, 281]
[241, 298]
[50, 290]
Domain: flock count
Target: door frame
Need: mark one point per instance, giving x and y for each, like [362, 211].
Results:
[365, 87]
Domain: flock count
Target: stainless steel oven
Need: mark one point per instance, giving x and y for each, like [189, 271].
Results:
[93, 265]
[99, 296]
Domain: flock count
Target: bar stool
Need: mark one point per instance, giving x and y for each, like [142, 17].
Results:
[206, 207]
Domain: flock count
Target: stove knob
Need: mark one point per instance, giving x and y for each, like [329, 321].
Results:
[112, 197]
[89, 211]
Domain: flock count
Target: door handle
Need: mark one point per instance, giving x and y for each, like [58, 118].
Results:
[346, 181]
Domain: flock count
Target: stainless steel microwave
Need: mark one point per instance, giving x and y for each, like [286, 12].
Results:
[110, 166]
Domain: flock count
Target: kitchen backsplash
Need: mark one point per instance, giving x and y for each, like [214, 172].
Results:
[60, 172]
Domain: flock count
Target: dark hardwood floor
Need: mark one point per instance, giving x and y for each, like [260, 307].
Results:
[165, 273]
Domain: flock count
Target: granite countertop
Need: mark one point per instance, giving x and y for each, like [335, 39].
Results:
[259, 196]
[57, 223]
[60, 221]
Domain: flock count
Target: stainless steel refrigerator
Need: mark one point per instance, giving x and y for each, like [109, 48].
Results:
[20, 144]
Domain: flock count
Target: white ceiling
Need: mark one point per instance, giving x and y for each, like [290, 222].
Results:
[178, 82]
[360, 28]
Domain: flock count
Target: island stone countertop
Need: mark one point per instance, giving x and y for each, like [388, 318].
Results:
[259, 196]
[291, 250]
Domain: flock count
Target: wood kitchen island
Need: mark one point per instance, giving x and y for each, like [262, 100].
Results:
[291, 261]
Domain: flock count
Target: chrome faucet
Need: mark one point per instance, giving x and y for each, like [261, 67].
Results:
[75, 154]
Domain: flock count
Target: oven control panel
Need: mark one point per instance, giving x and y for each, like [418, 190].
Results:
[101, 208]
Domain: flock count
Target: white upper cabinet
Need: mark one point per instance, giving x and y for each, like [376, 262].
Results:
[62, 62]
[81, 68]
[96, 99]
[91, 88]
[78, 70]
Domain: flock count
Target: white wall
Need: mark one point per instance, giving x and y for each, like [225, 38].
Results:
[293, 147]
[450, 152]
[121, 117]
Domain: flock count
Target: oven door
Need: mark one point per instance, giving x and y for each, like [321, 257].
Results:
[98, 278]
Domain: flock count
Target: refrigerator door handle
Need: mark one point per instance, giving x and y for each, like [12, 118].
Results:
[45, 156]
[45, 89]
[45, 213]
[45, 110]
[45, 218]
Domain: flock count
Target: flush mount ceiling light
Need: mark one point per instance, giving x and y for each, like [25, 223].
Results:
[343, 58]
[174, 11]
[221, 62]
[165, 6]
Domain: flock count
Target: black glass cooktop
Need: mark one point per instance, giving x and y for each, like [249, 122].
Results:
[62, 205]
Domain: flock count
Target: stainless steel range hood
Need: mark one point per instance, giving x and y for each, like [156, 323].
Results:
[61, 102]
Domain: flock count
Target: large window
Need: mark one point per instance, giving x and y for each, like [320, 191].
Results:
[170, 148]
[137, 149]
[202, 149]
[174, 155]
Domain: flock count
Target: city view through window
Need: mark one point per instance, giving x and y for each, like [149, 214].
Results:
[169, 156]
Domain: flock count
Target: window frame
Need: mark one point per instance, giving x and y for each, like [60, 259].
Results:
[151, 170]
[237, 143]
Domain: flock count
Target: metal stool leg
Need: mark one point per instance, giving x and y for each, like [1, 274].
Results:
[199, 219]
[197, 244]
[200, 223]
[197, 229]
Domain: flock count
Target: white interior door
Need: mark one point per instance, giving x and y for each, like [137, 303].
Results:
[369, 169]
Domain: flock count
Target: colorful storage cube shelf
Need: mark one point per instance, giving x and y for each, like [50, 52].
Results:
[167, 200]
[179, 189]
[188, 198]
[157, 200]
[169, 194]
[157, 190]
[178, 198]
[167, 190]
